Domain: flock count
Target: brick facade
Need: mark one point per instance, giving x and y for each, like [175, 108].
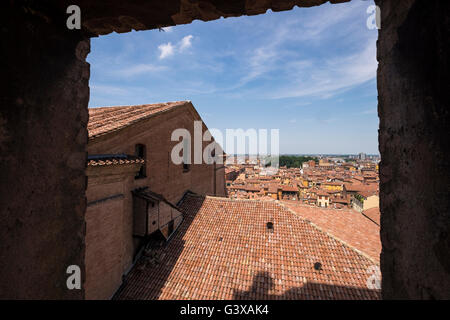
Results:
[110, 245]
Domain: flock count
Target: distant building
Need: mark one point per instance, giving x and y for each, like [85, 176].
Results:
[365, 200]
[231, 174]
[323, 199]
[332, 186]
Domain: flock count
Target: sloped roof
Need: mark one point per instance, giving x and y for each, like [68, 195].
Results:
[105, 120]
[224, 250]
[353, 186]
[252, 188]
[146, 193]
[322, 192]
[373, 214]
[348, 225]
[289, 188]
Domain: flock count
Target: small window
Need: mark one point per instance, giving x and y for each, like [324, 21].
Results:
[170, 227]
[140, 152]
[186, 154]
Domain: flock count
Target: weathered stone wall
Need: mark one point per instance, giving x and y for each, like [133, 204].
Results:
[414, 101]
[43, 138]
[106, 16]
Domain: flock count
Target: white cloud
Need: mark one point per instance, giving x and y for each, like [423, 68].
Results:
[325, 78]
[259, 63]
[166, 50]
[323, 23]
[186, 42]
[168, 29]
[274, 56]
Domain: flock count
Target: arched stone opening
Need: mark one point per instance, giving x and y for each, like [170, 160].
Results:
[43, 135]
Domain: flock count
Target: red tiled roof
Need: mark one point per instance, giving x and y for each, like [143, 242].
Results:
[322, 192]
[341, 200]
[109, 160]
[237, 187]
[252, 188]
[332, 183]
[373, 214]
[108, 119]
[367, 193]
[347, 225]
[353, 186]
[289, 189]
[224, 250]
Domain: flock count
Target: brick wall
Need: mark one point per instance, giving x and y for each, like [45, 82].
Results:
[163, 176]
[109, 222]
[110, 246]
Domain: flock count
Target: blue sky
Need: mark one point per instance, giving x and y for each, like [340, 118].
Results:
[309, 72]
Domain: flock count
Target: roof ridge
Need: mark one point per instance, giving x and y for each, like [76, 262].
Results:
[284, 206]
[328, 233]
[142, 105]
[238, 200]
[111, 115]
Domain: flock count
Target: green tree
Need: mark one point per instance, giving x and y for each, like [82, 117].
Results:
[293, 161]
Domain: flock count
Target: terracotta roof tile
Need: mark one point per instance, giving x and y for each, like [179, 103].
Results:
[346, 224]
[109, 119]
[252, 188]
[289, 189]
[323, 193]
[224, 250]
[373, 214]
[109, 160]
